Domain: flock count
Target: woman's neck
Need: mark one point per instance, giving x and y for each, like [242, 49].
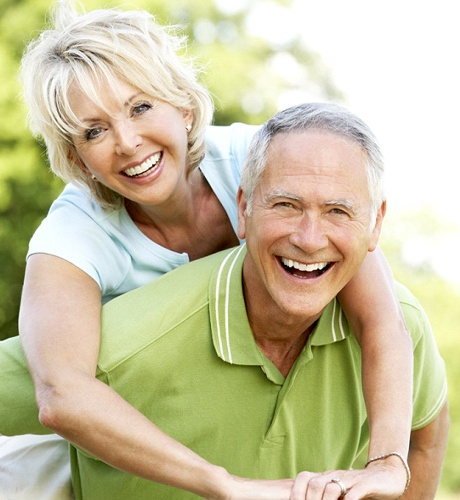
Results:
[197, 224]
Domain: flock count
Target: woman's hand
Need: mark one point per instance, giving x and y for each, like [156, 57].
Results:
[380, 480]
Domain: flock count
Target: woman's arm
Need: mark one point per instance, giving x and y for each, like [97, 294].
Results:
[60, 332]
[373, 310]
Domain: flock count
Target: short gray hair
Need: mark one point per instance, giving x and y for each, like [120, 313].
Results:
[325, 117]
[105, 45]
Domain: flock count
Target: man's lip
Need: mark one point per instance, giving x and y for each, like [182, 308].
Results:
[301, 265]
[311, 274]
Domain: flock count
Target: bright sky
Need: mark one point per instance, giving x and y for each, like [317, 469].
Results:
[398, 64]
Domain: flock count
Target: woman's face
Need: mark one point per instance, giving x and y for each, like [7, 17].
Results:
[138, 147]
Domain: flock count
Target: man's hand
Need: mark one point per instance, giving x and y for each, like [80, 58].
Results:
[259, 489]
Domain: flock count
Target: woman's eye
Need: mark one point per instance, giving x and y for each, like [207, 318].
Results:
[93, 133]
[141, 108]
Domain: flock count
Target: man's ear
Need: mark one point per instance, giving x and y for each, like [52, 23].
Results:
[242, 206]
[378, 227]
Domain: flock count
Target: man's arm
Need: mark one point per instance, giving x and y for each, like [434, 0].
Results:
[426, 453]
[382, 478]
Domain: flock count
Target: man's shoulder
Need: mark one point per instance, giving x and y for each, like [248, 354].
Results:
[171, 303]
[179, 286]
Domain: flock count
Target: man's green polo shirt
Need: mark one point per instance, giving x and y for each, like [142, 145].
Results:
[181, 351]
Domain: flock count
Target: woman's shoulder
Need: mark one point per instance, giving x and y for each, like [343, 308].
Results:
[79, 231]
[230, 140]
[78, 201]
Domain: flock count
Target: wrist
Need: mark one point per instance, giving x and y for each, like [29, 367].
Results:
[394, 460]
[218, 484]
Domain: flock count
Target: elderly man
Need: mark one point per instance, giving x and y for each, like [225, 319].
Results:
[246, 356]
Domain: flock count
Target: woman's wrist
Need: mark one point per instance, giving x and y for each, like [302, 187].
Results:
[396, 459]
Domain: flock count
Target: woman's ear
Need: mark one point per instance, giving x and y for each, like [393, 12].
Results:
[187, 115]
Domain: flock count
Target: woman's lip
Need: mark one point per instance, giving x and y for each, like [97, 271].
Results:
[140, 162]
[149, 176]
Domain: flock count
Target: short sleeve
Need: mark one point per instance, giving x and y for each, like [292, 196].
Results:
[71, 233]
[430, 381]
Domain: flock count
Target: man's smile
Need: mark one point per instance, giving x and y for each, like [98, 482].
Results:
[302, 270]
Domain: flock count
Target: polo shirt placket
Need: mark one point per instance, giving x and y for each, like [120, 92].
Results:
[234, 343]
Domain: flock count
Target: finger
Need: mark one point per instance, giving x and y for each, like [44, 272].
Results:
[372, 484]
[326, 487]
[299, 490]
[335, 488]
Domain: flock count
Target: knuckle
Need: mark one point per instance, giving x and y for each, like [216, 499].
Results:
[316, 483]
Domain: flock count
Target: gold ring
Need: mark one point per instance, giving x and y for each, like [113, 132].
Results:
[343, 489]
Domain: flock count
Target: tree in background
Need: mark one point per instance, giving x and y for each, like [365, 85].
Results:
[247, 75]
[251, 77]
[408, 240]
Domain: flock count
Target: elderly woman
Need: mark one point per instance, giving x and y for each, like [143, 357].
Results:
[150, 186]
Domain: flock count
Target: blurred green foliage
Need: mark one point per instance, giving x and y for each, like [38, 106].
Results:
[233, 63]
[247, 77]
[441, 299]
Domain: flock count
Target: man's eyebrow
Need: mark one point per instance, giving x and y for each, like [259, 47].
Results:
[340, 203]
[278, 193]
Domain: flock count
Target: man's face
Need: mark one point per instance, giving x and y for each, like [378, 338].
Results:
[310, 225]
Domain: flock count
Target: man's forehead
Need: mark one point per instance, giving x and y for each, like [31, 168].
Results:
[314, 152]
[317, 165]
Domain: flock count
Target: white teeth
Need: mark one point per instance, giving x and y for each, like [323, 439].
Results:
[303, 267]
[144, 166]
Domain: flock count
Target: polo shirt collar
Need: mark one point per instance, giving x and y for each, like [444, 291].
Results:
[232, 336]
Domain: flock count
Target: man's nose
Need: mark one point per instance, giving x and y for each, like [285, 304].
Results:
[309, 233]
[127, 138]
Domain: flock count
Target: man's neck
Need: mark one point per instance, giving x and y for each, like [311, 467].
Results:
[282, 352]
[278, 332]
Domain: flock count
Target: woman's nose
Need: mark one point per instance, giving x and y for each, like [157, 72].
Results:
[127, 138]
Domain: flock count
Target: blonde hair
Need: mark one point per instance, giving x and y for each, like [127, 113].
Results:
[105, 45]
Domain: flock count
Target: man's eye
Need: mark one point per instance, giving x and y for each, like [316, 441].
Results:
[284, 204]
[339, 211]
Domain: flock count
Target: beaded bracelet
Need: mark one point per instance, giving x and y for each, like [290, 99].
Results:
[394, 454]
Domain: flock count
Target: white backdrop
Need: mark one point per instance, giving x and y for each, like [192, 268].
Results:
[398, 64]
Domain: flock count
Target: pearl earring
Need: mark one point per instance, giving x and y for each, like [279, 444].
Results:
[93, 177]
[188, 128]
